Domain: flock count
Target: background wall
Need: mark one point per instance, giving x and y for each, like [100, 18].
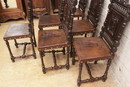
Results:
[120, 67]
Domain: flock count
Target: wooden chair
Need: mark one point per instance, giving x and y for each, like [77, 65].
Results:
[81, 27]
[21, 31]
[89, 25]
[52, 20]
[53, 39]
[105, 46]
[80, 11]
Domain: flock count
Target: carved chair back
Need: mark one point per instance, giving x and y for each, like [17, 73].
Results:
[69, 10]
[122, 2]
[82, 5]
[114, 25]
[95, 11]
[61, 9]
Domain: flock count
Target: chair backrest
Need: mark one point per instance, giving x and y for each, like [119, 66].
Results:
[82, 5]
[61, 9]
[114, 25]
[125, 2]
[69, 10]
[95, 11]
[30, 17]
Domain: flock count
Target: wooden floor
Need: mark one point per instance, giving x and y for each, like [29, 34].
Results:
[27, 72]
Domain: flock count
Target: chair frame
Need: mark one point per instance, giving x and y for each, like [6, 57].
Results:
[118, 14]
[92, 18]
[67, 27]
[31, 36]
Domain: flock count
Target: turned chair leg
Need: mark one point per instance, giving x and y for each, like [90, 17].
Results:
[71, 47]
[16, 44]
[67, 61]
[95, 62]
[42, 61]
[63, 50]
[85, 35]
[11, 54]
[80, 72]
[34, 38]
[34, 54]
[107, 68]
[73, 58]
[60, 27]
[78, 18]
[54, 58]
[89, 71]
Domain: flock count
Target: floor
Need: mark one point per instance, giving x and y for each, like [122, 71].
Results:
[27, 72]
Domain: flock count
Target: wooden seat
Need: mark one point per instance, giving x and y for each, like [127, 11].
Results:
[81, 27]
[53, 39]
[16, 31]
[105, 46]
[92, 19]
[20, 31]
[52, 20]
[80, 11]
[92, 48]
[49, 20]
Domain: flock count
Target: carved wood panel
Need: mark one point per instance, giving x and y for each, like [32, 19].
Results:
[125, 2]
[95, 11]
[114, 25]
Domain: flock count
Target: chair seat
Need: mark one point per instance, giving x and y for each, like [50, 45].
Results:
[49, 20]
[91, 48]
[78, 13]
[82, 27]
[49, 39]
[16, 31]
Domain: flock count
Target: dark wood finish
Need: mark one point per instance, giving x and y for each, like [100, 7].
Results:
[97, 45]
[55, 5]
[81, 27]
[13, 13]
[53, 39]
[49, 20]
[89, 25]
[80, 11]
[125, 2]
[40, 7]
[105, 46]
[6, 3]
[52, 20]
[20, 31]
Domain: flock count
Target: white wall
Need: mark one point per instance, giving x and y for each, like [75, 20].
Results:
[120, 67]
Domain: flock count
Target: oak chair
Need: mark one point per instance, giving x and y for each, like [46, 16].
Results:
[53, 39]
[89, 25]
[80, 11]
[52, 20]
[105, 46]
[21, 31]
